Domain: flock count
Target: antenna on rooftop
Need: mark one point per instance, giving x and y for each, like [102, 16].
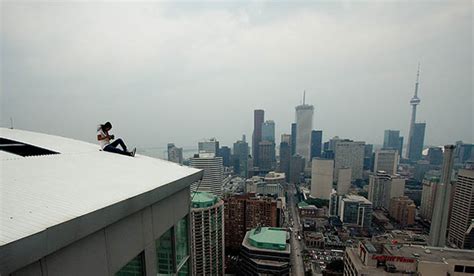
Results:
[304, 96]
[11, 123]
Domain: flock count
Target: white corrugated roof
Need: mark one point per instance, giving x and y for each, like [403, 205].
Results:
[42, 191]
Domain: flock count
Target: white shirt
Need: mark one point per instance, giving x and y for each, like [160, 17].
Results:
[104, 142]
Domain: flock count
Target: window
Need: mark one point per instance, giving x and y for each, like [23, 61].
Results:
[184, 269]
[172, 249]
[181, 233]
[164, 253]
[458, 268]
[469, 269]
[136, 267]
[23, 149]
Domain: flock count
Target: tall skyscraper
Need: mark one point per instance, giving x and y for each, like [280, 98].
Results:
[210, 146]
[268, 131]
[304, 125]
[258, 118]
[368, 157]
[213, 173]
[435, 156]
[207, 234]
[293, 139]
[175, 154]
[462, 214]
[322, 173]
[349, 154]
[316, 143]
[417, 142]
[386, 160]
[464, 152]
[439, 221]
[393, 140]
[285, 158]
[266, 153]
[240, 157]
[416, 132]
[296, 168]
[383, 187]
[224, 152]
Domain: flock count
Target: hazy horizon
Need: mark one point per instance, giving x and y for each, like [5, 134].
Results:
[183, 71]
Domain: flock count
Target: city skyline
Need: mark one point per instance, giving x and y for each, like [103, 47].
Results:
[78, 78]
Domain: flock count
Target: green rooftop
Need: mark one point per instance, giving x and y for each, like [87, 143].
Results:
[303, 204]
[268, 238]
[203, 200]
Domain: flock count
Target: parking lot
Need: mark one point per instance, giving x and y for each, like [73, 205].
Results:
[322, 257]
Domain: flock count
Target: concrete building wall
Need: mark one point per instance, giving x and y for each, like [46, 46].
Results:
[344, 181]
[106, 251]
[322, 178]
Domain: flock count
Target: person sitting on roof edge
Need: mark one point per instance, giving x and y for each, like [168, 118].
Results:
[104, 138]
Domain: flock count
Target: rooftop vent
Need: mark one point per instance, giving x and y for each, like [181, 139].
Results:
[23, 149]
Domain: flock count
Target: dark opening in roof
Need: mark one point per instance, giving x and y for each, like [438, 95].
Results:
[23, 149]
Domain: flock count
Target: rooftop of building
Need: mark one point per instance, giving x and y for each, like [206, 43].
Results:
[431, 254]
[274, 175]
[203, 200]
[42, 193]
[268, 238]
[356, 198]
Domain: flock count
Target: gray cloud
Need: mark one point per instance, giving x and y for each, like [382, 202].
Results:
[183, 71]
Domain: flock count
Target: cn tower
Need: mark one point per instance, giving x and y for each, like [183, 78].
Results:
[414, 102]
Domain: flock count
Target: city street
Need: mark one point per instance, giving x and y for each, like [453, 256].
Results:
[297, 267]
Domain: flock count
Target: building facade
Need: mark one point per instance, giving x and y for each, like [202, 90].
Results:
[207, 234]
[258, 118]
[243, 212]
[428, 195]
[462, 214]
[383, 187]
[417, 142]
[225, 153]
[240, 157]
[386, 160]
[175, 154]
[440, 217]
[344, 181]
[304, 126]
[398, 260]
[213, 173]
[268, 131]
[349, 154]
[266, 251]
[296, 168]
[285, 158]
[403, 210]
[209, 146]
[316, 143]
[356, 211]
[322, 172]
[266, 153]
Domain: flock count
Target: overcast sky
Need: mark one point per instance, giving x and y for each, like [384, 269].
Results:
[180, 72]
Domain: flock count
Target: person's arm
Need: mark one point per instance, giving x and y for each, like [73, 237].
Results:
[102, 137]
